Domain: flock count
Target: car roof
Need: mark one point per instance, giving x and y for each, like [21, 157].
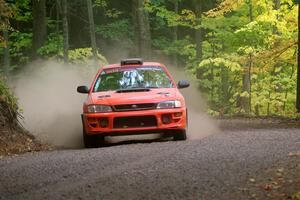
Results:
[133, 65]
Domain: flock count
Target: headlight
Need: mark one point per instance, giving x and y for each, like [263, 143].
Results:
[169, 104]
[99, 109]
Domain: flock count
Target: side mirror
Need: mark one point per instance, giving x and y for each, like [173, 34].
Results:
[183, 84]
[83, 89]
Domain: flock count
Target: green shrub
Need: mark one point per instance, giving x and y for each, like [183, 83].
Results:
[9, 108]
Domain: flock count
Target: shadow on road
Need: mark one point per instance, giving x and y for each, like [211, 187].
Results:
[126, 140]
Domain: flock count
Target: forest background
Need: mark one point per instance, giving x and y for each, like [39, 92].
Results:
[242, 53]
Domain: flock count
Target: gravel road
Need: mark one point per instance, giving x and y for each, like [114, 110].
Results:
[215, 167]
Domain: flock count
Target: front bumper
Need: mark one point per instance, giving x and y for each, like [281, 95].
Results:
[92, 122]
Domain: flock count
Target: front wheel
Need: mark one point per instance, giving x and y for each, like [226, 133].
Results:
[91, 141]
[179, 135]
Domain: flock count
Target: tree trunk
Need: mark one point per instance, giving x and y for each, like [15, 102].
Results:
[273, 73]
[298, 68]
[39, 26]
[246, 100]
[6, 57]
[276, 4]
[142, 29]
[65, 30]
[213, 47]
[92, 29]
[175, 33]
[225, 97]
[58, 12]
[199, 32]
[286, 92]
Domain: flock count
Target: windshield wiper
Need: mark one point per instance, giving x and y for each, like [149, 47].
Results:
[153, 87]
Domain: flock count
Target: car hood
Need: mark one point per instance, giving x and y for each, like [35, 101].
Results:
[152, 96]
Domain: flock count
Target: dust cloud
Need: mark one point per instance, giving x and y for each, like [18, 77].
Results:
[51, 106]
[200, 124]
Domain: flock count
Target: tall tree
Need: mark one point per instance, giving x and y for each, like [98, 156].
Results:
[175, 32]
[6, 12]
[65, 30]
[272, 73]
[6, 57]
[198, 32]
[92, 29]
[246, 98]
[39, 25]
[141, 29]
[298, 72]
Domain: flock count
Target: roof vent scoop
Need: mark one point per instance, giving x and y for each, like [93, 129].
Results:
[132, 61]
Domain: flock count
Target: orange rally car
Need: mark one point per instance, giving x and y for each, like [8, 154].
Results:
[133, 97]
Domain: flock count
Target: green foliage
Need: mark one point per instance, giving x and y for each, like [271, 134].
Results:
[267, 42]
[182, 48]
[115, 30]
[233, 45]
[53, 46]
[8, 103]
[100, 3]
[84, 57]
[20, 46]
[186, 18]
[23, 11]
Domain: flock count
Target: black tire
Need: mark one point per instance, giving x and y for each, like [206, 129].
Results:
[180, 135]
[90, 141]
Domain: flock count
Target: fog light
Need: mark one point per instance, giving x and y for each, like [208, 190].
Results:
[166, 119]
[103, 122]
[93, 125]
[178, 114]
[91, 119]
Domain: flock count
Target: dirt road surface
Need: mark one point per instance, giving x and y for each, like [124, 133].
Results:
[221, 166]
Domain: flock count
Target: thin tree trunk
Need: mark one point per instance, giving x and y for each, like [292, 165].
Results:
[276, 4]
[246, 101]
[175, 34]
[92, 29]
[65, 30]
[213, 46]
[6, 56]
[286, 92]
[39, 26]
[275, 31]
[135, 50]
[142, 29]
[298, 68]
[199, 32]
[58, 11]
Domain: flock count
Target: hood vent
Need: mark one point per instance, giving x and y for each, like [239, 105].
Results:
[133, 90]
[104, 96]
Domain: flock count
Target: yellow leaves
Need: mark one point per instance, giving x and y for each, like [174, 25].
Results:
[278, 50]
[225, 7]
[294, 154]
[113, 13]
[5, 10]
[186, 18]
[244, 94]
[189, 16]
[221, 62]
[296, 196]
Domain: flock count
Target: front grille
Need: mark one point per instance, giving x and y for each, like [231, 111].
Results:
[134, 107]
[135, 122]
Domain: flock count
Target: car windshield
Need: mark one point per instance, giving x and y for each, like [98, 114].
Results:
[123, 78]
